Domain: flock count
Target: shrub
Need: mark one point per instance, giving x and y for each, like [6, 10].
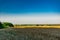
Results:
[8, 24]
[1, 25]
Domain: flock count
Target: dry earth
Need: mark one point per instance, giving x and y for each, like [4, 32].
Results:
[29, 34]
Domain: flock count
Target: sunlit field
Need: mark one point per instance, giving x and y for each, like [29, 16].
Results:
[37, 26]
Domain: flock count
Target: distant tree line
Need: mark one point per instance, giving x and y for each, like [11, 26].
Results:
[5, 25]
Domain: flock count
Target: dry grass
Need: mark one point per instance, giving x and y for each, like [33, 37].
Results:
[36, 26]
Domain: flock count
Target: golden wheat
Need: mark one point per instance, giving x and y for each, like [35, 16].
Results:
[37, 26]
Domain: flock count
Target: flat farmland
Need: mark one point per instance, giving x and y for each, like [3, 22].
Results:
[31, 32]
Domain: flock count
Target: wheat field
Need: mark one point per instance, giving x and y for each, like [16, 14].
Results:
[38, 26]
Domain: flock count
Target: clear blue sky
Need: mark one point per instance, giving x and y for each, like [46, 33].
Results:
[24, 6]
[14, 11]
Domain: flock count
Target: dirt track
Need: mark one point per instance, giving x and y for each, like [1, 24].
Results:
[29, 34]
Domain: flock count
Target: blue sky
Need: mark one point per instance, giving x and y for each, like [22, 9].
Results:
[20, 8]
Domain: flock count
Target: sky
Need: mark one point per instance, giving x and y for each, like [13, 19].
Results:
[30, 11]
